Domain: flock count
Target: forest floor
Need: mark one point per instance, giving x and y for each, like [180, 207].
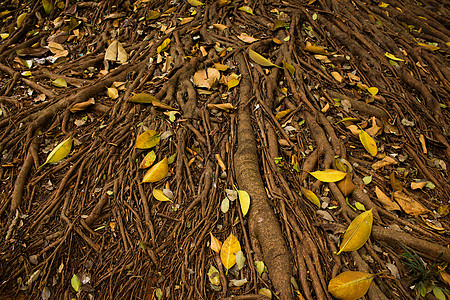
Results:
[158, 149]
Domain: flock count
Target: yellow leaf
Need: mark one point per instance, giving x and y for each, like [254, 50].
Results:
[195, 3]
[148, 160]
[224, 106]
[220, 67]
[216, 245]
[48, 6]
[315, 49]
[373, 90]
[59, 82]
[164, 45]
[147, 139]
[396, 185]
[153, 14]
[328, 175]
[246, 9]
[244, 200]
[393, 57]
[261, 60]
[60, 151]
[310, 196]
[159, 195]
[383, 5]
[157, 172]
[357, 233]
[430, 47]
[346, 185]
[409, 205]
[149, 99]
[214, 276]
[4, 35]
[113, 93]
[224, 2]
[228, 252]
[282, 114]
[289, 67]
[385, 200]
[350, 285]
[368, 142]
[20, 19]
[232, 83]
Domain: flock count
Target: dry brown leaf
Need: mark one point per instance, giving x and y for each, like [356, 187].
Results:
[385, 200]
[116, 52]
[216, 245]
[346, 185]
[220, 26]
[424, 145]
[409, 205]
[396, 185]
[337, 76]
[82, 105]
[419, 184]
[223, 106]
[247, 39]
[354, 129]
[201, 79]
[386, 161]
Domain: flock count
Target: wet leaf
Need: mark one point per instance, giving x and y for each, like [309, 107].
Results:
[310, 196]
[328, 175]
[76, 283]
[148, 160]
[48, 6]
[244, 200]
[240, 259]
[216, 245]
[246, 9]
[214, 276]
[229, 250]
[357, 233]
[195, 2]
[385, 200]
[346, 185]
[261, 60]
[392, 56]
[159, 195]
[409, 205]
[157, 172]
[59, 82]
[116, 52]
[350, 285]
[60, 152]
[147, 139]
[164, 45]
[368, 142]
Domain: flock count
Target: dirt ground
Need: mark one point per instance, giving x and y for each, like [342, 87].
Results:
[224, 149]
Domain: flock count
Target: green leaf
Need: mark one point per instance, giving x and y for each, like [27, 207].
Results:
[76, 283]
[367, 179]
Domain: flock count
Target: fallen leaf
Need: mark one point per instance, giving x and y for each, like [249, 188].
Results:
[419, 184]
[159, 195]
[430, 47]
[289, 67]
[315, 49]
[223, 106]
[244, 200]
[346, 185]
[310, 196]
[396, 185]
[232, 83]
[393, 57]
[240, 259]
[220, 26]
[186, 20]
[385, 200]
[213, 276]
[409, 205]
[282, 114]
[357, 233]
[337, 76]
[164, 45]
[48, 6]
[220, 67]
[149, 99]
[247, 39]
[261, 60]
[82, 105]
[76, 283]
[373, 91]
[238, 282]
[386, 161]
[60, 152]
[225, 205]
[260, 267]
[367, 179]
[204, 80]
[265, 292]
[116, 52]
[153, 14]
[350, 285]
[368, 142]
[246, 9]
[147, 139]
[354, 129]
[20, 19]
[216, 245]
[360, 206]
[148, 160]
[157, 172]
[229, 250]
[195, 3]
[328, 175]
[59, 82]
[113, 93]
